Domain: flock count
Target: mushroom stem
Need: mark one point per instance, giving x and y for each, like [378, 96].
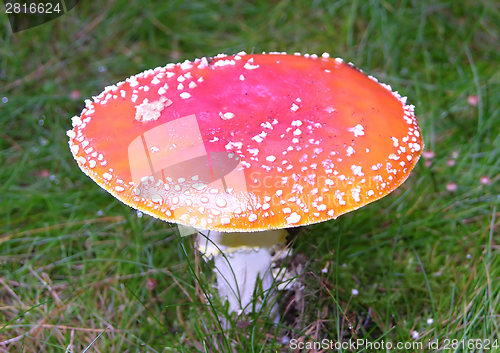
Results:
[240, 259]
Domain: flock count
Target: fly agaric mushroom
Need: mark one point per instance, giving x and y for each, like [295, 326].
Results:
[248, 143]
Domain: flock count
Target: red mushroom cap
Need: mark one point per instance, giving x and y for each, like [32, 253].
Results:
[248, 142]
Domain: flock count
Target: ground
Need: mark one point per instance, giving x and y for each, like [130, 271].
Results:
[81, 272]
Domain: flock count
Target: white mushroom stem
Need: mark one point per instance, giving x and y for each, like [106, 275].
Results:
[240, 259]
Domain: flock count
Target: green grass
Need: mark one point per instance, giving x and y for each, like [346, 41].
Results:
[75, 262]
